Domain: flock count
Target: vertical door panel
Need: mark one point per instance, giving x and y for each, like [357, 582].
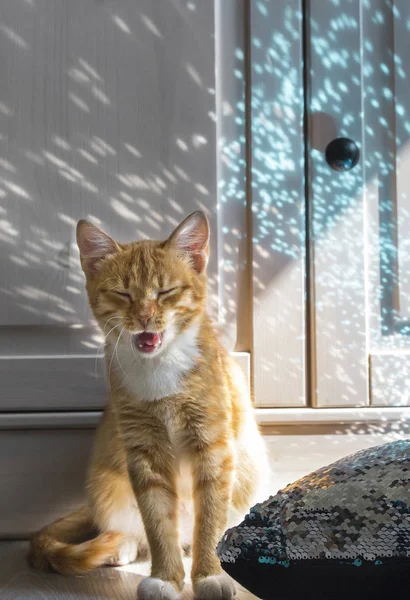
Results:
[336, 198]
[278, 206]
[233, 285]
[387, 140]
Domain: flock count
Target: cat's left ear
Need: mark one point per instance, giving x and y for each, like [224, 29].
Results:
[94, 245]
[191, 238]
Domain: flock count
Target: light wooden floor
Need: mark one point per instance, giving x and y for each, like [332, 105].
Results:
[19, 582]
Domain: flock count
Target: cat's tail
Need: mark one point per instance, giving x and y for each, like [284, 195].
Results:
[67, 546]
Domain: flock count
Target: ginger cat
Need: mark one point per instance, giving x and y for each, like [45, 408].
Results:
[178, 437]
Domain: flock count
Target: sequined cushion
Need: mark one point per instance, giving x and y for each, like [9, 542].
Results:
[344, 525]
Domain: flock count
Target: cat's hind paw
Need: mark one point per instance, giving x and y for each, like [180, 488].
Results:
[215, 587]
[152, 588]
[127, 553]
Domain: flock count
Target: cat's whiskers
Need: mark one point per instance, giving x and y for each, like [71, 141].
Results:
[133, 352]
[116, 352]
[110, 319]
[109, 368]
[103, 342]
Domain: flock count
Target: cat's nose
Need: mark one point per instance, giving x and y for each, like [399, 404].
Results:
[144, 321]
[144, 317]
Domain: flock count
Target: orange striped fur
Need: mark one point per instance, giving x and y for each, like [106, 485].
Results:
[178, 453]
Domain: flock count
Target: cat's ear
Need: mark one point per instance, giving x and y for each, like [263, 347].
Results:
[191, 238]
[94, 245]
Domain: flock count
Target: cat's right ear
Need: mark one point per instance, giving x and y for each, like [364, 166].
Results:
[94, 245]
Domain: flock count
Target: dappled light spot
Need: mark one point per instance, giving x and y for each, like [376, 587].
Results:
[6, 165]
[38, 231]
[18, 260]
[153, 224]
[169, 176]
[87, 156]
[55, 160]
[16, 189]
[181, 144]
[121, 24]
[261, 251]
[31, 257]
[29, 308]
[13, 36]
[67, 175]
[34, 246]
[33, 157]
[93, 219]
[137, 182]
[100, 95]
[101, 147]
[61, 143]
[72, 289]
[89, 186]
[5, 110]
[177, 207]
[150, 25]
[122, 210]
[202, 207]
[55, 317]
[54, 245]
[181, 173]
[193, 73]
[90, 70]
[143, 203]
[79, 102]
[126, 197]
[78, 75]
[199, 140]
[75, 277]
[157, 185]
[89, 344]
[202, 189]
[133, 150]
[172, 221]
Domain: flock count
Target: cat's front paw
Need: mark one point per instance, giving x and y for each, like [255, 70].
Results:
[214, 587]
[152, 588]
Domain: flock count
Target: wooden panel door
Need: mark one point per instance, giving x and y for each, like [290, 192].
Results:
[359, 89]
[108, 112]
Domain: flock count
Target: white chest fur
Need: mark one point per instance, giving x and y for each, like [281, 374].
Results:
[156, 377]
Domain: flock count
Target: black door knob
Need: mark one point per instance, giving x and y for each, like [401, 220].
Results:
[342, 154]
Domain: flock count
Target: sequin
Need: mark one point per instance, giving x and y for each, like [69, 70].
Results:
[356, 509]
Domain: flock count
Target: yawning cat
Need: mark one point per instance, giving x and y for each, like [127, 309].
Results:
[178, 453]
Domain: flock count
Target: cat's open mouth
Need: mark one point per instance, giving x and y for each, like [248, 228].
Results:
[148, 342]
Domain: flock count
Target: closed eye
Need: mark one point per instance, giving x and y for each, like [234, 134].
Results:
[165, 292]
[123, 294]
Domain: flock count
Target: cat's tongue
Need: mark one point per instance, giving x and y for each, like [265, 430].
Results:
[148, 342]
